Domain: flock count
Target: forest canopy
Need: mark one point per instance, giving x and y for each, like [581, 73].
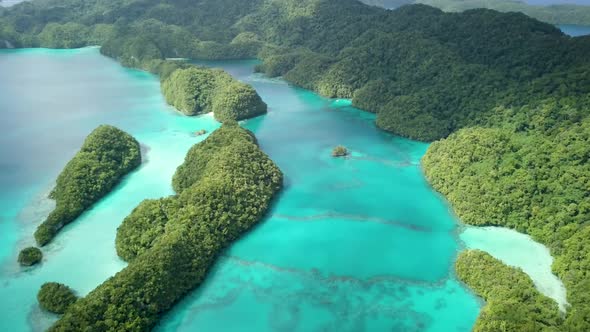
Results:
[195, 90]
[172, 243]
[107, 155]
[509, 93]
[416, 67]
[512, 301]
[528, 170]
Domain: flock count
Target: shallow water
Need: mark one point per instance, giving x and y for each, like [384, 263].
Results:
[520, 250]
[352, 244]
[49, 101]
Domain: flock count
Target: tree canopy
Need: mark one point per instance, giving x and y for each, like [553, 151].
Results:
[107, 155]
[55, 297]
[195, 90]
[527, 170]
[172, 243]
[509, 94]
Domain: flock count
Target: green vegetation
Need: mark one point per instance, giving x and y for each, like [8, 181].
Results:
[339, 151]
[55, 297]
[528, 171]
[512, 302]
[511, 92]
[226, 186]
[30, 256]
[201, 90]
[237, 101]
[143, 227]
[106, 156]
[417, 67]
[191, 90]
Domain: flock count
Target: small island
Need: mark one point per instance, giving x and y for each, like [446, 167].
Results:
[195, 90]
[107, 155]
[55, 297]
[200, 132]
[30, 256]
[340, 151]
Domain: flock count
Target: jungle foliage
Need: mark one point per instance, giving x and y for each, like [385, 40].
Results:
[30, 256]
[417, 67]
[197, 90]
[512, 301]
[512, 93]
[56, 298]
[107, 155]
[172, 243]
[527, 170]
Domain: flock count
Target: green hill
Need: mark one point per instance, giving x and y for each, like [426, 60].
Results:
[508, 92]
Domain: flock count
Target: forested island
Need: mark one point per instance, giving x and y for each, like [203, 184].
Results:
[107, 155]
[196, 91]
[509, 96]
[223, 189]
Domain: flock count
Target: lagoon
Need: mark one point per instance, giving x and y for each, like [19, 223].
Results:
[352, 244]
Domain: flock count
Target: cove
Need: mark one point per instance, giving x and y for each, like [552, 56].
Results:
[352, 244]
[519, 250]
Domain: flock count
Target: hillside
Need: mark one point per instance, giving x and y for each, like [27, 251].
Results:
[417, 67]
[507, 91]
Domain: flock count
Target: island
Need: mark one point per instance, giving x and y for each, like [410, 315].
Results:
[503, 96]
[107, 155]
[187, 234]
[55, 297]
[30, 256]
[339, 151]
[195, 90]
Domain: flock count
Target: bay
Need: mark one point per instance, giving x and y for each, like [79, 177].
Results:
[352, 244]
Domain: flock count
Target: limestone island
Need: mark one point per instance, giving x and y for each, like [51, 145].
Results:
[30, 256]
[107, 155]
[200, 132]
[340, 151]
[196, 90]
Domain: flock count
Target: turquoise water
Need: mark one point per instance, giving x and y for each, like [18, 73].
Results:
[575, 30]
[520, 250]
[357, 244]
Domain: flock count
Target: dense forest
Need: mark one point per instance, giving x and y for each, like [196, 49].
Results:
[417, 67]
[555, 14]
[509, 94]
[528, 169]
[107, 155]
[512, 301]
[223, 188]
[196, 90]
[55, 297]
